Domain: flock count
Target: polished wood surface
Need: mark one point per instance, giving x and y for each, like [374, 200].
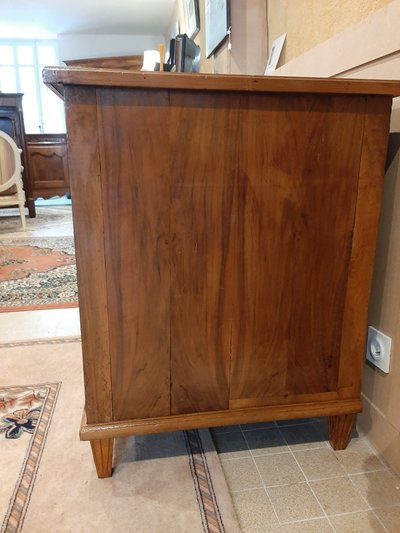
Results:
[224, 257]
[12, 122]
[57, 77]
[48, 164]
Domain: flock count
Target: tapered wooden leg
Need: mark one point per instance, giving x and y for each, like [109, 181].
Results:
[339, 430]
[102, 451]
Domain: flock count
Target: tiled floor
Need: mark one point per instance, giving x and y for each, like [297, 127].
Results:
[284, 477]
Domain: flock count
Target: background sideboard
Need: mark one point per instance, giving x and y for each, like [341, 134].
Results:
[12, 122]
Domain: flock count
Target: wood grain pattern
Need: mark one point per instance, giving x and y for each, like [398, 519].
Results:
[102, 451]
[340, 429]
[296, 196]
[88, 217]
[56, 77]
[203, 172]
[375, 142]
[126, 428]
[135, 185]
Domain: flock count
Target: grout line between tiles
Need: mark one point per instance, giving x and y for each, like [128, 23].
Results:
[315, 496]
[306, 481]
[380, 521]
[262, 480]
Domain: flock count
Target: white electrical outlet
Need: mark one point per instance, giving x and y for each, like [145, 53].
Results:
[378, 349]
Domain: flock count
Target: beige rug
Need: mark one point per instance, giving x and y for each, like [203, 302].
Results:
[169, 482]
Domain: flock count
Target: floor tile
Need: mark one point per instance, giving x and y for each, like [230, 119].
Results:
[338, 495]
[43, 324]
[319, 464]
[294, 502]
[225, 429]
[318, 525]
[380, 489]
[253, 508]
[296, 421]
[358, 457]
[266, 441]
[241, 474]
[363, 522]
[231, 445]
[390, 518]
[278, 469]
[273, 528]
[304, 437]
[257, 425]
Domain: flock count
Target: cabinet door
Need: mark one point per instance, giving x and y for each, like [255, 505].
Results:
[48, 168]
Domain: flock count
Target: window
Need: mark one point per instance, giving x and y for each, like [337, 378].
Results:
[21, 65]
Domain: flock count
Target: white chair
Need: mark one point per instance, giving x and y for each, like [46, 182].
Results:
[11, 186]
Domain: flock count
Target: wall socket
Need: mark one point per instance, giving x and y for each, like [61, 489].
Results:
[378, 349]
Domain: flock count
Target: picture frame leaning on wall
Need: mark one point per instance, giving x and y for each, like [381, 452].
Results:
[217, 24]
[192, 17]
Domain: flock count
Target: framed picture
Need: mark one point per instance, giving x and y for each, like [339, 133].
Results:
[192, 18]
[217, 24]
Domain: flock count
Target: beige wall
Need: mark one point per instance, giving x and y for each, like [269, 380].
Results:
[310, 22]
[371, 49]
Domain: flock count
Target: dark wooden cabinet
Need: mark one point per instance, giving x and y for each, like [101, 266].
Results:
[225, 231]
[48, 164]
[12, 122]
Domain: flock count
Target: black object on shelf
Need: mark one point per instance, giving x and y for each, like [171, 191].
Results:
[184, 54]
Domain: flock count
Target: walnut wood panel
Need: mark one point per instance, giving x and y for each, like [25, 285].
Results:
[296, 196]
[136, 190]
[88, 217]
[375, 143]
[57, 77]
[48, 165]
[203, 171]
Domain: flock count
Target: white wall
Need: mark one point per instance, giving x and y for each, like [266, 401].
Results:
[80, 46]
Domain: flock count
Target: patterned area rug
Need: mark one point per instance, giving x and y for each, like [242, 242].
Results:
[10, 221]
[25, 416]
[163, 483]
[37, 273]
